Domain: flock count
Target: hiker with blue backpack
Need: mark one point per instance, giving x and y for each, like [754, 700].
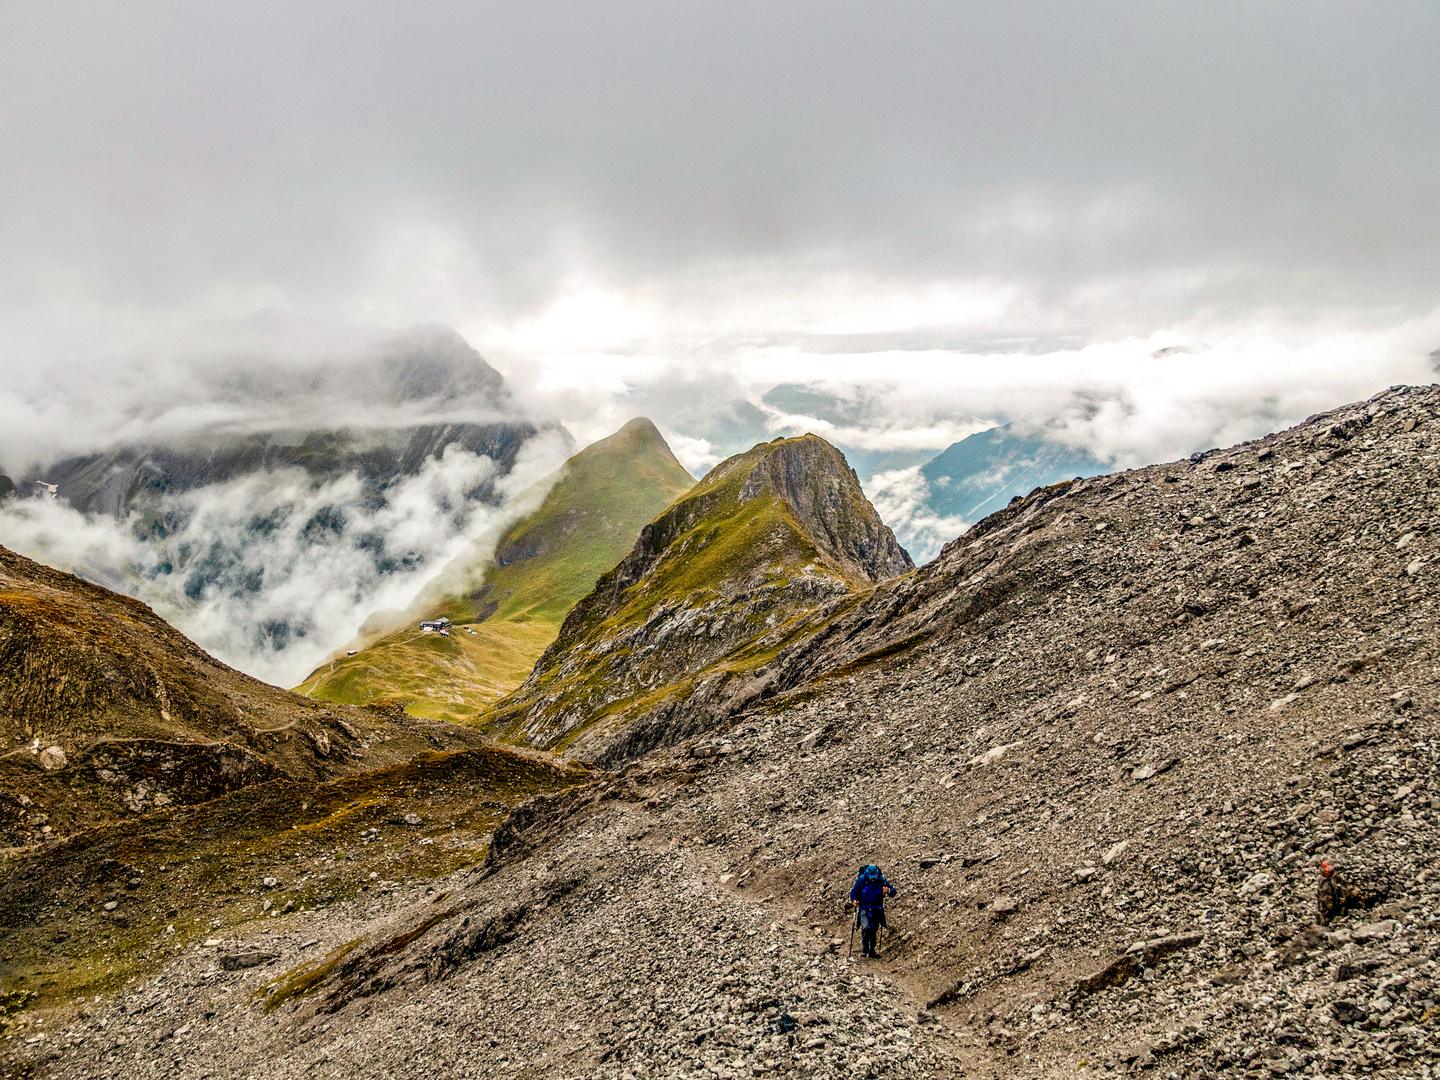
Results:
[868, 899]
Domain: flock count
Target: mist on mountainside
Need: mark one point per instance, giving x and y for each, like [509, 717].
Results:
[272, 490]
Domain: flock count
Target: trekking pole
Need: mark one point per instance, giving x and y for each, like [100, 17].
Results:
[849, 953]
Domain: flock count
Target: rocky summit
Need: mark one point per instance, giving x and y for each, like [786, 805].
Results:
[766, 547]
[1151, 758]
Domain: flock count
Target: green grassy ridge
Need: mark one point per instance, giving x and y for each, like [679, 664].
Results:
[734, 549]
[706, 541]
[515, 599]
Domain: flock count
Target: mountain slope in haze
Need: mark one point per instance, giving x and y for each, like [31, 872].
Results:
[107, 712]
[1153, 758]
[507, 607]
[713, 588]
[981, 473]
[139, 479]
[928, 504]
[428, 372]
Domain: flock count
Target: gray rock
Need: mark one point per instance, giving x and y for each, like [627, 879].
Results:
[236, 961]
[1115, 852]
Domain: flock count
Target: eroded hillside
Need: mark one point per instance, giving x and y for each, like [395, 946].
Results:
[1153, 760]
[107, 712]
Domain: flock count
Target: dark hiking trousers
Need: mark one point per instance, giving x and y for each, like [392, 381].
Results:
[871, 919]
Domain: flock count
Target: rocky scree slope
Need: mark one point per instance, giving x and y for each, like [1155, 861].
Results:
[107, 712]
[711, 590]
[507, 596]
[1106, 746]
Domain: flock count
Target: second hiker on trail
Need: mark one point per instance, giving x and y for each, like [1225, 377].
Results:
[868, 896]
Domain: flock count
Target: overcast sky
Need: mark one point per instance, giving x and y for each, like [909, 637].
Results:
[986, 210]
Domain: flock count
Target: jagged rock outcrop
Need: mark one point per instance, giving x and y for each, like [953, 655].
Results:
[811, 476]
[712, 590]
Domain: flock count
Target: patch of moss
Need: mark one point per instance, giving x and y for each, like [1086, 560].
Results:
[299, 981]
[400, 941]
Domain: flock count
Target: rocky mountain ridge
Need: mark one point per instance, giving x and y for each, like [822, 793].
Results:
[1153, 759]
[712, 587]
[136, 478]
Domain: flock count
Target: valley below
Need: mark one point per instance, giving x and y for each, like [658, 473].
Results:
[1153, 759]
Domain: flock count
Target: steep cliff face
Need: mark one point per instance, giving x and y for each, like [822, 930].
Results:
[824, 494]
[714, 588]
[506, 607]
[106, 711]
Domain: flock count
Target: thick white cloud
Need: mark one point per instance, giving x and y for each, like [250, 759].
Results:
[1129, 401]
[273, 572]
